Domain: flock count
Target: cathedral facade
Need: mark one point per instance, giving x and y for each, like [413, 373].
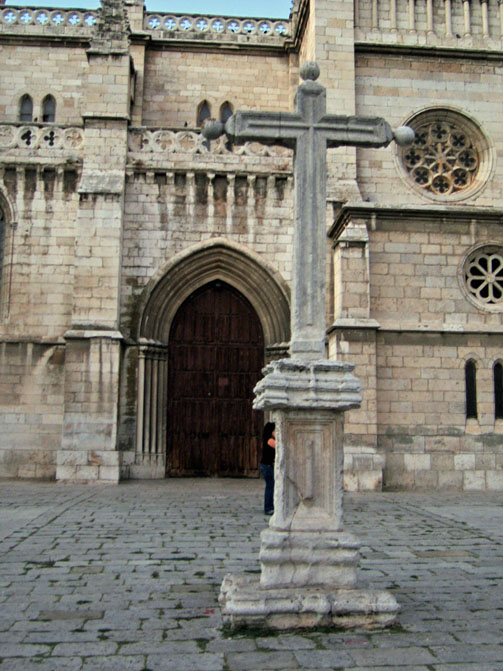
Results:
[146, 271]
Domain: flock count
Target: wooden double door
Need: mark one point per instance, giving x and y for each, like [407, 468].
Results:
[216, 353]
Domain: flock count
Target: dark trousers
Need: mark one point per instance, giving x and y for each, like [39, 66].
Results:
[267, 472]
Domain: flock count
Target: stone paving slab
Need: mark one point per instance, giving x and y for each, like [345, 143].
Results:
[126, 578]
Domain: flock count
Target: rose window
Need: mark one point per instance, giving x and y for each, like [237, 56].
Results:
[442, 159]
[450, 156]
[483, 275]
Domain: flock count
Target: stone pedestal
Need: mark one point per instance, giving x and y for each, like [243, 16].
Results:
[308, 562]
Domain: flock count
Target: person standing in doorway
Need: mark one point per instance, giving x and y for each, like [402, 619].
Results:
[267, 465]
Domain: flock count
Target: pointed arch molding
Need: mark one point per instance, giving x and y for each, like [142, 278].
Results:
[216, 260]
[7, 207]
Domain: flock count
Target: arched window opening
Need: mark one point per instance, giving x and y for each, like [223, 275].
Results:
[49, 110]
[226, 111]
[26, 109]
[498, 390]
[203, 112]
[471, 389]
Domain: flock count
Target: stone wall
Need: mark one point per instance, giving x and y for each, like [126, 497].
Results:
[169, 210]
[31, 407]
[424, 432]
[39, 251]
[416, 271]
[176, 82]
[411, 345]
[64, 70]
[397, 86]
[39, 204]
[89, 433]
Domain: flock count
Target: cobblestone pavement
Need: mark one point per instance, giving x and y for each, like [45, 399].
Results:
[126, 578]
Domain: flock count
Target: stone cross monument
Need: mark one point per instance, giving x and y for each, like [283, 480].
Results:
[308, 561]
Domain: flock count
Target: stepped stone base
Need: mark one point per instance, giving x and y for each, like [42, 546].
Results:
[308, 558]
[245, 604]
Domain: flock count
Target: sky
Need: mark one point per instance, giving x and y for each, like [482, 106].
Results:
[258, 8]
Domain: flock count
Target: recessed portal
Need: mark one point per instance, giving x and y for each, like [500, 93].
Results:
[216, 353]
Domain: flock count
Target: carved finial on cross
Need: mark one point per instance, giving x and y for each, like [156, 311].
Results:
[309, 70]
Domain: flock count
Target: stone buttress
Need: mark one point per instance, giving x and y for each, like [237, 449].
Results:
[93, 342]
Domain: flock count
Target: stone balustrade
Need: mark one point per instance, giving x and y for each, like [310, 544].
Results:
[47, 21]
[36, 20]
[216, 28]
[41, 139]
[445, 23]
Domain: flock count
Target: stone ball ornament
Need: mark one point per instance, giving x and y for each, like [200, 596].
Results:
[212, 129]
[404, 136]
[309, 70]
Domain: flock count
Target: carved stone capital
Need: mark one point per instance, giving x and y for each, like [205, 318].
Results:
[302, 385]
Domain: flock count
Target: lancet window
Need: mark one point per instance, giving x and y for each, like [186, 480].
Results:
[498, 390]
[26, 109]
[203, 112]
[226, 111]
[471, 389]
[49, 109]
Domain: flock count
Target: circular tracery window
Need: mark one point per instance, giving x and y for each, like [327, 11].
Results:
[449, 158]
[483, 276]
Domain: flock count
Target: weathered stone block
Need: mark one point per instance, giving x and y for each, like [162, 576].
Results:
[370, 480]
[65, 472]
[450, 480]
[464, 462]
[494, 480]
[474, 480]
[245, 603]
[416, 462]
[109, 473]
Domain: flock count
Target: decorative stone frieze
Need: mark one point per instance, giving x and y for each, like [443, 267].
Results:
[158, 141]
[41, 140]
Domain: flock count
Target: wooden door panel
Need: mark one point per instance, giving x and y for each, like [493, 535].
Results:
[216, 353]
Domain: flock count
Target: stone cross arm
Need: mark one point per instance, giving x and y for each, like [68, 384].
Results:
[287, 128]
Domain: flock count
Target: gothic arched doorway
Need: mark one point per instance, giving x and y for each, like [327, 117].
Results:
[215, 357]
